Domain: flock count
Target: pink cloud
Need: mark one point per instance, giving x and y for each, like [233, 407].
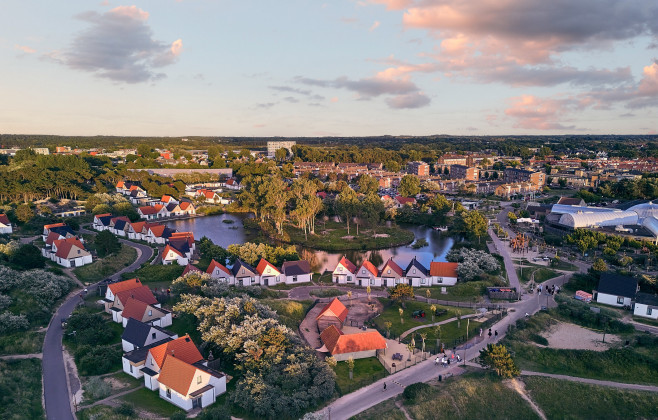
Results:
[25, 49]
[649, 83]
[176, 47]
[132, 12]
[535, 113]
[334, 99]
[374, 26]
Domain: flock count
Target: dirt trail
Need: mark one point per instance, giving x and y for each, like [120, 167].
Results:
[519, 387]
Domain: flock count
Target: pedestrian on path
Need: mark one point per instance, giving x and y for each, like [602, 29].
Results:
[384, 386]
[496, 334]
[480, 332]
[489, 332]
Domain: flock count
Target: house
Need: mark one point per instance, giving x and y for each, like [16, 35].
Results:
[101, 221]
[70, 252]
[187, 208]
[137, 196]
[183, 237]
[172, 254]
[158, 234]
[121, 187]
[47, 250]
[133, 361]
[368, 275]
[167, 199]
[646, 306]
[135, 231]
[114, 288]
[140, 334]
[417, 274]
[269, 274]
[404, 201]
[334, 313]
[572, 201]
[121, 299]
[245, 275]
[219, 272]
[208, 195]
[356, 346]
[443, 273]
[142, 311]
[157, 211]
[119, 226]
[345, 272]
[391, 274]
[5, 225]
[232, 184]
[189, 268]
[183, 348]
[61, 228]
[616, 290]
[296, 272]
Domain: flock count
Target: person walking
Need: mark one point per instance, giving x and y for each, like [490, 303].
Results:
[384, 387]
[480, 332]
[496, 334]
[489, 332]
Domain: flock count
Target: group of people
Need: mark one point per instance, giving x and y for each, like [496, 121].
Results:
[445, 360]
[550, 290]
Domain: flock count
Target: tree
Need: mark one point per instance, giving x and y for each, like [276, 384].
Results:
[281, 154]
[392, 166]
[599, 265]
[388, 325]
[474, 223]
[512, 217]
[433, 309]
[24, 213]
[26, 257]
[562, 182]
[401, 292]
[401, 311]
[350, 366]
[409, 186]
[367, 184]
[347, 205]
[102, 209]
[497, 358]
[106, 243]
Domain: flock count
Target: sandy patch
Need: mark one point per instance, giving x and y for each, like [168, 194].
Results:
[570, 336]
[349, 237]
[381, 235]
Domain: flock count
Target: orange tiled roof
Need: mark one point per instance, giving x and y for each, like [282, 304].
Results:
[142, 293]
[177, 375]
[263, 264]
[334, 308]
[134, 309]
[443, 269]
[148, 210]
[182, 348]
[347, 264]
[370, 267]
[157, 230]
[338, 343]
[52, 237]
[64, 246]
[98, 216]
[124, 285]
[171, 248]
[393, 266]
[214, 264]
[54, 225]
[138, 226]
[4, 219]
[120, 184]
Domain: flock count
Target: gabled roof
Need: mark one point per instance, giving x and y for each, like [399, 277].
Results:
[124, 285]
[104, 219]
[63, 230]
[138, 310]
[214, 264]
[617, 285]
[54, 225]
[418, 266]
[120, 224]
[647, 299]
[334, 308]
[157, 230]
[52, 237]
[171, 207]
[443, 269]
[137, 226]
[185, 205]
[137, 332]
[4, 219]
[121, 184]
[142, 293]
[177, 375]
[241, 264]
[338, 343]
[189, 268]
[347, 264]
[393, 266]
[148, 210]
[167, 198]
[405, 200]
[263, 264]
[98, 216]
[571, 201]
[64, 247]
[182, 348]
[296, 268]
[370, 267]
[169, 248]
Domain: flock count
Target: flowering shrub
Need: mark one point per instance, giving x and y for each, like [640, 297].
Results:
[472, 263]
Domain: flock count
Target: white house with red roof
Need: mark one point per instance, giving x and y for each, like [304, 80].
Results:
[171, 255]
[345, 272]
[144, 312]
[219, 272]
[135, 231]
[443, 273]
[268, 273]
[70, 252]
[209, 196]
[121, 300]
[356, 346]
[368, 275]
[101, 221]
[404, 201]
[5, 225]
[114, 288]
[157, 211]
[391, 274]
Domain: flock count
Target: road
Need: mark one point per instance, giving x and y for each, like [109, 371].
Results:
[55, 388]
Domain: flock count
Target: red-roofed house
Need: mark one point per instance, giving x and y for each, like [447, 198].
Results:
[143, 312]
[443, 273]
[114, 288]
[391, 274]
[344, 272]
[170, 255]
[208, 195]
[357, 346]
[189, 268]
[121, 187]
[269, 274]
[142, 293]
[187, 208]
[157, 211]
[182, 348]
[404, 201]
[334, 313]
[190, 386]
[368, 275]
[167, 199]
[70, 252]
[135, 231]
[220, 272]
[5, 225]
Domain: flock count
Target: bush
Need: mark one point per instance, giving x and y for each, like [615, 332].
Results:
[214, 413]
[26, 257]
[125, 409]
[97, 360]
[89, 329]
[539, 339]
[10, 322]
[97, 388]
[412, 391]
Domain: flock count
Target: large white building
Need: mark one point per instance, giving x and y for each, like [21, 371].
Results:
[273, 146]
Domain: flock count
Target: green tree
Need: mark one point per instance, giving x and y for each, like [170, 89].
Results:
[24, 213]
[106, 243]
[562, 182]
[409, 186]
[474, 223]
[26, 257]
[512, 217]
[401, 292]
[102, 209]
[599, 265]
[281, 154]
[392, 166]
[368, 184]
[497, 358]
[347, 205]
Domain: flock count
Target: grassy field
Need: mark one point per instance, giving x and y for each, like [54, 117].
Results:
[564, 265]
[541, 273]
[366, 371]
[146, 400]
[477, 395]
[449, 333]
[569, 400]
[470, 291]
[291, 313]
[161, 274]
[332, 237]
[326, 292]
[101, 412]
[645, 321]
[24, 342]
[392, 314]
[20, 382]
[104, 267]
[385, 410]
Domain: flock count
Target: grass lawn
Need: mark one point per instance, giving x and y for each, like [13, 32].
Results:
[322, 278]
[156, 273]
[291, 313]
[366, 371]
[449, 334]
[146, 400]
[564, 265]
[645, 321]
[100, 412]
[20, 382]
[570, 400]
[477, 395]
[392, 314]
[24, 342]
[104, 267]
[541, 273]
[470, 291]
[185, 324]
[326, 292]
[330, 237]
[385, 410]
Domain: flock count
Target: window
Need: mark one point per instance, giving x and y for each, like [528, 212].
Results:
[150, 312]
[168, 393]
[414, 271]
[294, 278]
[388, 271]
[198, 379]
[620, 300]
[648, 310]
[243, 271]
[153, 336]
[349, 278]
[422, 281]
[363, 271]
[439, 280]
[268, 271]
[372, 281]
[131, 368]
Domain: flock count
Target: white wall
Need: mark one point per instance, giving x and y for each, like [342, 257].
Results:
[611, 300]
[356, 355]
[641, 310]
[444, 281]
[304, 278]
[137, 370]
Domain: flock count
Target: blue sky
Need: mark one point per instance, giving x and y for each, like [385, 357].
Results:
[308, 68]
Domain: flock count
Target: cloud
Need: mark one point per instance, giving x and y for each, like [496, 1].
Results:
[289, 89]
[119, 45]
[267, 105]
[535, 113]
[25, 49]
[374, 26]
[334, 99]
[291, 99]
[410, 101]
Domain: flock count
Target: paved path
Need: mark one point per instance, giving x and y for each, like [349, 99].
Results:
[618, 385]
[55, 387]
[509, 264]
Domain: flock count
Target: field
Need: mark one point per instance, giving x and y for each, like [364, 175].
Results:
[104, 267]
[291, 313]
[541, 273]
[25, 342]
[470, 291]
[158, 273]
[366, 371]
[20, 382]
[449, 334]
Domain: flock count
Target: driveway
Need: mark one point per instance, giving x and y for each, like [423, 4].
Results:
[56, 395]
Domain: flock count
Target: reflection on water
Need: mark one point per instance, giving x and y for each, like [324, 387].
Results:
[225, 234]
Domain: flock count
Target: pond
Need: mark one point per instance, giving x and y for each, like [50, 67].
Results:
[227, 229]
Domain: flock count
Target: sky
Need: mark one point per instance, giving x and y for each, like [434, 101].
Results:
[339, 68]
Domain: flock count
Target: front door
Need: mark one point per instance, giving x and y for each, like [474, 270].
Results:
[196, 403]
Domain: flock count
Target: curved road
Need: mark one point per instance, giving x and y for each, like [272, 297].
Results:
[55, 388]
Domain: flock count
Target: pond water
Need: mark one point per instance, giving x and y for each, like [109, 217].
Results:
[232, 231]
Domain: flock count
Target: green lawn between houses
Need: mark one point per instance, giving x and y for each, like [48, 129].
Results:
[20, 382]
[366, 371]
[144, 399]
[104, 267]
[470, 291]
